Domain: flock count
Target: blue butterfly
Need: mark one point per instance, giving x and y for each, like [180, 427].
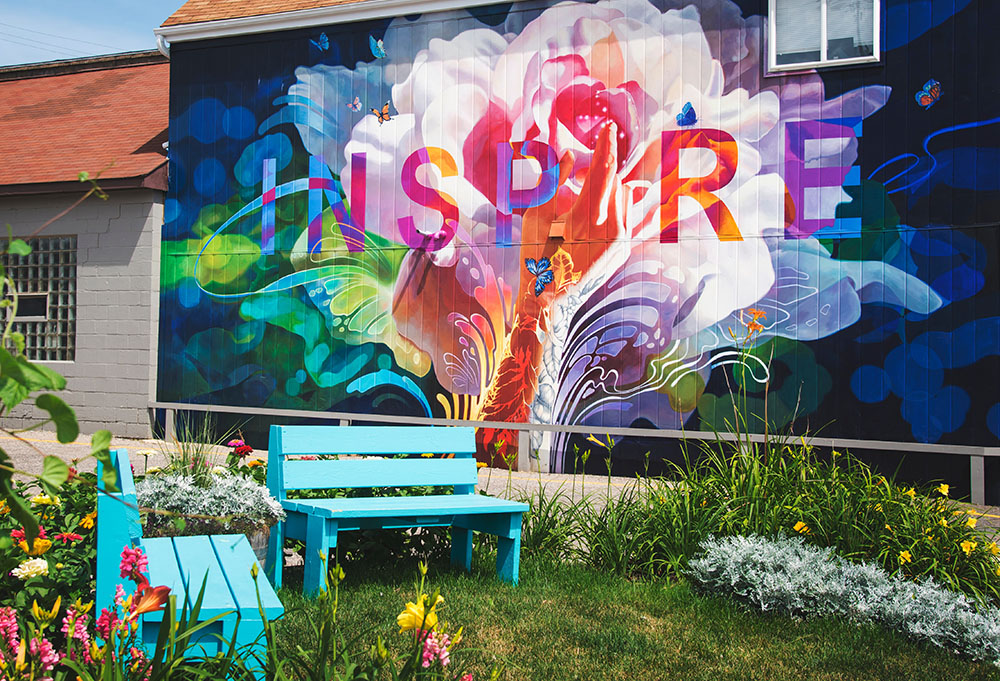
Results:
[322, 43]
[378, 50]
[929, 94]
[543, 275]
[687, 116]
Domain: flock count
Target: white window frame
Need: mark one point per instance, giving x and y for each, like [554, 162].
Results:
[772, 49]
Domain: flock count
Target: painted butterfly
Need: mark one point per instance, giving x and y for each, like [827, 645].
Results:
[378, 50]
[687, 116]
[383, 115]
[543, 275]
[322, 43]
[929, 94]
[355, 105]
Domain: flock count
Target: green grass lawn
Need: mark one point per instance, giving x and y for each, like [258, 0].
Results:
[567, 622]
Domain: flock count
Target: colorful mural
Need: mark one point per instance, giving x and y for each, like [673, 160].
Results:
[572, 214]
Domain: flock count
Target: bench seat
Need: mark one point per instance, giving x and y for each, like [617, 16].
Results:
[434, 504]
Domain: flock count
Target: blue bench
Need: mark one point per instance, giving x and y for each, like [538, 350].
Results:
[317, 522]
[222, 562]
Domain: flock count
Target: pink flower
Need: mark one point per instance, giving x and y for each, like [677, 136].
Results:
[435, 648]
[67, 537]
[45, 652]
[235, 443]
[467, 677]
[74, 627]
[134, 563]
[105, 623]
[8, 628]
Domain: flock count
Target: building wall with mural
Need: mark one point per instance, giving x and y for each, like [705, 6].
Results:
[601, 215]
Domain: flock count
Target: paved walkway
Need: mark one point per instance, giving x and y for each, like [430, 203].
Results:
[28, 451]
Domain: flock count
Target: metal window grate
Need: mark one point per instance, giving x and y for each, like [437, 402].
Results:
[49, 270]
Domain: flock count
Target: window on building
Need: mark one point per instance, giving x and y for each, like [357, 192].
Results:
[46, 286]
[816, 33]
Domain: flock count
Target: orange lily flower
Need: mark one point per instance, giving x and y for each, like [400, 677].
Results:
[148, 598]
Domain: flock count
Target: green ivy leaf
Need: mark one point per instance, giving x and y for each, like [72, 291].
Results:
[12, 393]
[55, 471]
[19, 508]
[31, 376]
[18, 339]
[62, 415]
[19, 247]
[180, 524]
[100, 449]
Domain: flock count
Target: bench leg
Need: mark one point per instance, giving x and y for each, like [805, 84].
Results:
[276, 554]
[321, 536]
[250, 637]
[509, 557]
[461, 547]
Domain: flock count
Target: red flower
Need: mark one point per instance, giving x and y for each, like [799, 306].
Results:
[242, 450]
[18, 535]
[67, 537]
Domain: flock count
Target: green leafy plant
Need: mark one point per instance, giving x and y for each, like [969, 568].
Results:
[66, 545]
[325, 653]
[549, 528]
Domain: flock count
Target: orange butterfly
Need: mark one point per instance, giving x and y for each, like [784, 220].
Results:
[383, 115]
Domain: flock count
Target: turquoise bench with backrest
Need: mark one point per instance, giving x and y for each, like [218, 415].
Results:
[318, 522]
[222, 562]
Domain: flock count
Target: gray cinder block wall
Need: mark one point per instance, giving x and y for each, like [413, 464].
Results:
[111, 379]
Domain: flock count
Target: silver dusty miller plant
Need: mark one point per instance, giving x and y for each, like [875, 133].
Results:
[786, 575]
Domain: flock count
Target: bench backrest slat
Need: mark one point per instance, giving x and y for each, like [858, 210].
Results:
[353, 473]
[376, 440]
[118, 524]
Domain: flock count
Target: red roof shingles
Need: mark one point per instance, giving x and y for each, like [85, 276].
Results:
[108, 120]
[196, 11]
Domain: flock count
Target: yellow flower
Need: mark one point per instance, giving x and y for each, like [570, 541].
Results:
[415, 616]
[878, 507]
[998, 571]
[969, 547]
[59, 566]
[905, 557]
[480, 464]
[912, 493]
[801, 527]
[943, 489]
[255, 463]
[88, 520]
[4, 508]
[971, 522]
[942, 522]
[427, 455]
[44, 500]
[993, 548]
[43, 615]
[888, 527]
[39, 547]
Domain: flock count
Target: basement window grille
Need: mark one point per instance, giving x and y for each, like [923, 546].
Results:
[46, 287]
